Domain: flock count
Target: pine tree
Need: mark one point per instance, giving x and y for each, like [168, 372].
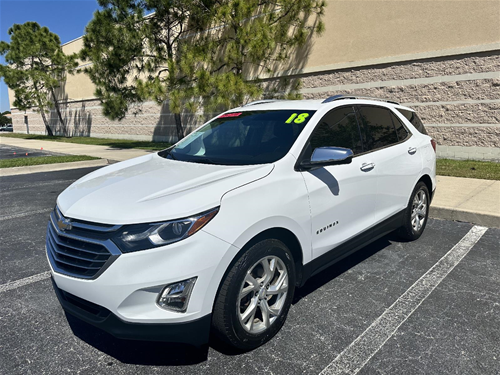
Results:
[197, 54]
[36, 67]
[251, 38]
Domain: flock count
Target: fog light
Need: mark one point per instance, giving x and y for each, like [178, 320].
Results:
[175, 296]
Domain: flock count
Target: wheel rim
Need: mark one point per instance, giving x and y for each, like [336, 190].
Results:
[262, 294]
[419, 210]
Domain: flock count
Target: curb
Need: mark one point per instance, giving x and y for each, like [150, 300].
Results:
[487, 220]
[52, 167]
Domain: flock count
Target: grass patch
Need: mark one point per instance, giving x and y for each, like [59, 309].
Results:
[114, 143]
[486, 170]
[24, 162]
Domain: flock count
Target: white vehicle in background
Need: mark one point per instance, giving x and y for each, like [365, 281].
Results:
[216, 232]
[7, 128]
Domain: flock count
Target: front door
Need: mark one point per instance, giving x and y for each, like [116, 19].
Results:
[342, 197]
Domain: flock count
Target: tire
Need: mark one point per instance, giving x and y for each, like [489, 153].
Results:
[412, 227]
[232, 319]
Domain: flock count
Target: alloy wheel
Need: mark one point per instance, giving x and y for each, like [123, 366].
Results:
[419, 210]
[262, 294]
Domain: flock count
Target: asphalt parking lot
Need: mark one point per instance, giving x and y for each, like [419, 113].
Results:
[12, 152]
[392, 308]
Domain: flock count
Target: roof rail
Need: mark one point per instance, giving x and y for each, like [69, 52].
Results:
[341, 97]
[260, 102]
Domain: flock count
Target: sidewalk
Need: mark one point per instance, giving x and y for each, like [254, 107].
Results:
[105, 152]
[467, 199]
[462, 199]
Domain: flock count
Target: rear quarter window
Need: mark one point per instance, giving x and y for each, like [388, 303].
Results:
[414, 119]
[400, 128]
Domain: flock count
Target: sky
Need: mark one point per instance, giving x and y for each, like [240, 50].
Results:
[66, 18]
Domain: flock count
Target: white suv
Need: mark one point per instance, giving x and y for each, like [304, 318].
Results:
[216, 232]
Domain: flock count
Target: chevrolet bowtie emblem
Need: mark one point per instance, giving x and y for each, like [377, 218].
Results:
[64, 224]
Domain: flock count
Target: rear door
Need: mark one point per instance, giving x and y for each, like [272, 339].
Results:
[342, 197]
[395, 155]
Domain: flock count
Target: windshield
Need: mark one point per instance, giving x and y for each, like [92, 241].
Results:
[242, 138]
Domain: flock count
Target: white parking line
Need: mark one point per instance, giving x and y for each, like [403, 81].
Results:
[15, 216]
[361, 350]
[27, 280]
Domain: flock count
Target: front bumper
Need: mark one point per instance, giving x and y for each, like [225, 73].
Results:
[129, 288]
[195, 332]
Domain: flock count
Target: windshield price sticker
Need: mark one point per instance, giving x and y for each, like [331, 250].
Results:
[232, 114]
[297, 118]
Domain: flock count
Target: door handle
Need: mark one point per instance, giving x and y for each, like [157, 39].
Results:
[412, 150]
[366, 167]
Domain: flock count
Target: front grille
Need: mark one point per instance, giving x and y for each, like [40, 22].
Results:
[78, 255]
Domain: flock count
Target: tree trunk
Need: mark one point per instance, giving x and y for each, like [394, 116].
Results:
[42, 112]
[47, 127]
[178, 125]
[58, 110]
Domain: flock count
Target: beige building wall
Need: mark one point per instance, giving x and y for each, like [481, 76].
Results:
[441, 57]
[78, 86]
[364, 32]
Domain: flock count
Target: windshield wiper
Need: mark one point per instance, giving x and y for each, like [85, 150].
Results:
[166, 153]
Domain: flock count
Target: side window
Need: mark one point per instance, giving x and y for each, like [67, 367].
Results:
[378, 129]
[338, 128]
[414, 119]
[400, 128]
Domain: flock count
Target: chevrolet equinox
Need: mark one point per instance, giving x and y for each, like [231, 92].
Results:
[214, 233]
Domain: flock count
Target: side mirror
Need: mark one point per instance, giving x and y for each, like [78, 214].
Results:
[324, 156]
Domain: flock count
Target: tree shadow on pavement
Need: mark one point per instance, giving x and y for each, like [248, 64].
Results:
[137, 352]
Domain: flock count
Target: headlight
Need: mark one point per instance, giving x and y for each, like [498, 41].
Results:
[146, 236]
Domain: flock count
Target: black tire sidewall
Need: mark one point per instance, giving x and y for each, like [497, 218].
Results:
[238, 336]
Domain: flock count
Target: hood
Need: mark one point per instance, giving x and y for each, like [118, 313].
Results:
[151, 188]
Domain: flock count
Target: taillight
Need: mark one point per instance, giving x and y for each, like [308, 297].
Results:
[434, 144]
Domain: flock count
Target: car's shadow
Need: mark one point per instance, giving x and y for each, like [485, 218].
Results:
[137, 352]
[167, 354]
[330, 273]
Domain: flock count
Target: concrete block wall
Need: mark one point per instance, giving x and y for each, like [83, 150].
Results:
[469, 153]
